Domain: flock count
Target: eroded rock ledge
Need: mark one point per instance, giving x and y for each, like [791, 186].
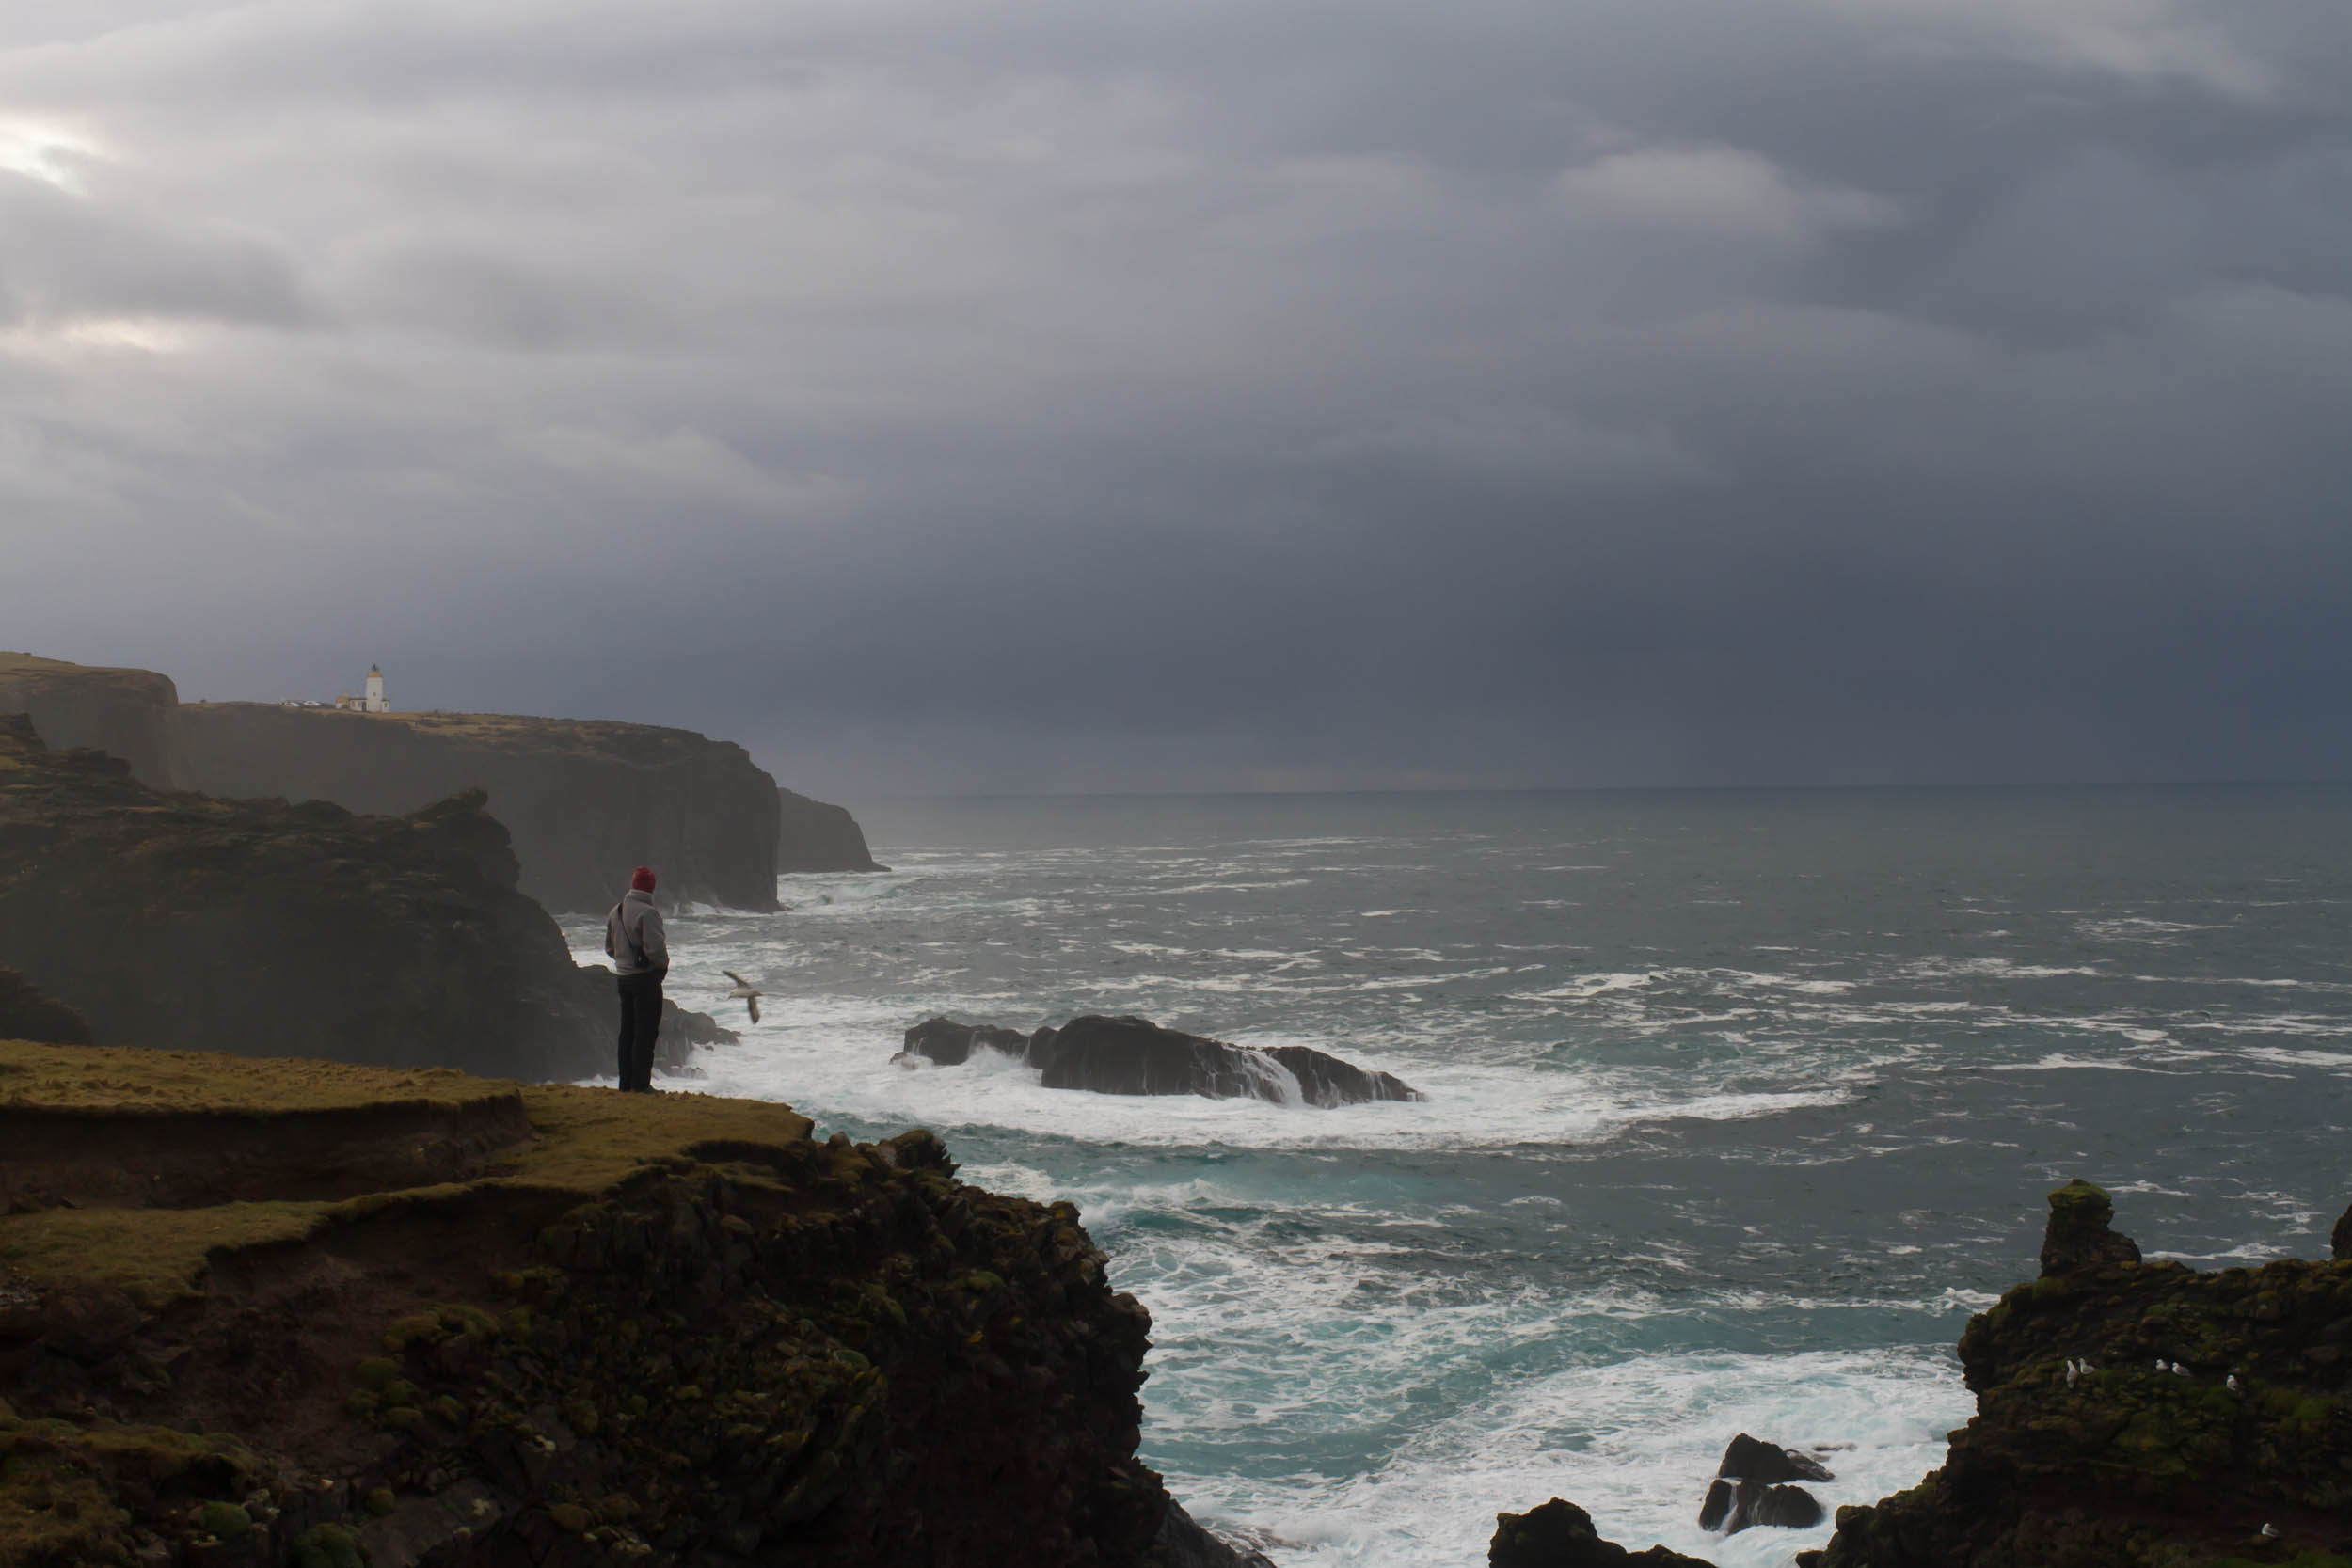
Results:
[662, 1330]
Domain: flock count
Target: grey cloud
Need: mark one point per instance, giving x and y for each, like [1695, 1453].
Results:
[1108, 397]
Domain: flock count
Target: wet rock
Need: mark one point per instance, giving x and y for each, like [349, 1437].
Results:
[2339, 1243]
[949, 1043]
[1559, 1534]
[2077, 1236]
[1135, 1056]
[1183, 1543]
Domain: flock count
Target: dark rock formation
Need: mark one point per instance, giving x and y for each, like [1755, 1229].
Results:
[2340, 1243]
[1752, 1487]
[27, 1013]
[1134, 1055]
[1182, 1543]
[2125, 1463]
[126, 713]
[949, 1043]
[2077, 1236]
[1559, 1534]
[171, 920]
[665, 1330]
[587, 801]
[814, 836]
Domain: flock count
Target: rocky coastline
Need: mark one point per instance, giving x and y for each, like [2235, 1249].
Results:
[2130, 1414]
[173, 920]
[584, 801]
[669, 1331]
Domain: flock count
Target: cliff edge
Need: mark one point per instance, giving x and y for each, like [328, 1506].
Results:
[265, 928]
[284, 1312]
[812, 835]
[125, 713]
[585, 799]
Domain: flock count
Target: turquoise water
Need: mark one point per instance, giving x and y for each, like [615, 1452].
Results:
[1740, 1103]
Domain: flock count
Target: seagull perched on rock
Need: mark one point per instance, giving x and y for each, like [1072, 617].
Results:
[2162, 1365]
[2270, 1532]
[2179, 1371]
[2233, 1385]
[2072, 1371]
[745, 993]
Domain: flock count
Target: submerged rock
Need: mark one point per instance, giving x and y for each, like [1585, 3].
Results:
[1559, 1534]
[1752, 1487]
[1134, 1055]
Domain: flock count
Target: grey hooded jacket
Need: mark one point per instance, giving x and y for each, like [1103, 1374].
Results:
[633, 938]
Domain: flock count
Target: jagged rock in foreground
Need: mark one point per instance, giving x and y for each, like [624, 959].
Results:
[267, 928]
[27, 1013]
[1753, 1486]
[2340, 1241]
[2128, 1466]
[661, 1330]
[813, 836]
[1182, 1543]
[1134, 1055]
[1559, 1534]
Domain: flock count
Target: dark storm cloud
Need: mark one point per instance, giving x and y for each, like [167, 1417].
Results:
[939, 396]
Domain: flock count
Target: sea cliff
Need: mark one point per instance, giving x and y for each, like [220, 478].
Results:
[125, 713]
[587, 801]
[283, 1313]
[812, 835]
[171, 919]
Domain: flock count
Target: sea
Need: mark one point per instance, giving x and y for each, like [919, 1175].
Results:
[1740, 1103]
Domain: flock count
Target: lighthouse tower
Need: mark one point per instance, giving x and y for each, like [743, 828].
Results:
[374, 702]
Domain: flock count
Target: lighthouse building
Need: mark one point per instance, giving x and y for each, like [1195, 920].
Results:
[372, 697]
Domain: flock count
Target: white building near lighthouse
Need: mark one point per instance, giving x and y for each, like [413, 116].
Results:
[371, 700]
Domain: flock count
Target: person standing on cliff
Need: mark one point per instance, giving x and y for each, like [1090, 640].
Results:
[641, 956]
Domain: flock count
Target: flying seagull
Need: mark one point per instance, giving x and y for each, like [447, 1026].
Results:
[745, 993]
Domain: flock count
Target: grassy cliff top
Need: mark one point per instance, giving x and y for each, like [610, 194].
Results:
[565, 1142]
[19, 666]
[611, 739]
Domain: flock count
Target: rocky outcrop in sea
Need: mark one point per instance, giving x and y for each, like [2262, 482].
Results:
[1134, 1055]
[2137, 1412]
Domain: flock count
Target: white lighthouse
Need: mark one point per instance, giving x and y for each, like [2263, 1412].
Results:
[370, 699]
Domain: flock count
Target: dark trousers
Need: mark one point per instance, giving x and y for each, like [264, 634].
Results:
[641, 1021]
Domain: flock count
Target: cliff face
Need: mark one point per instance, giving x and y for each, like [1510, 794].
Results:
[2130, 1464]
[814, 836]
[127, 713]
[261, 928]
[587, 801]
[659, 1331]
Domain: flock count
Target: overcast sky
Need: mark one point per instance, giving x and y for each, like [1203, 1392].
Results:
[950, 395]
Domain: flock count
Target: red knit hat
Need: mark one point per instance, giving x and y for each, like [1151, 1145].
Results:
[642, 881]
